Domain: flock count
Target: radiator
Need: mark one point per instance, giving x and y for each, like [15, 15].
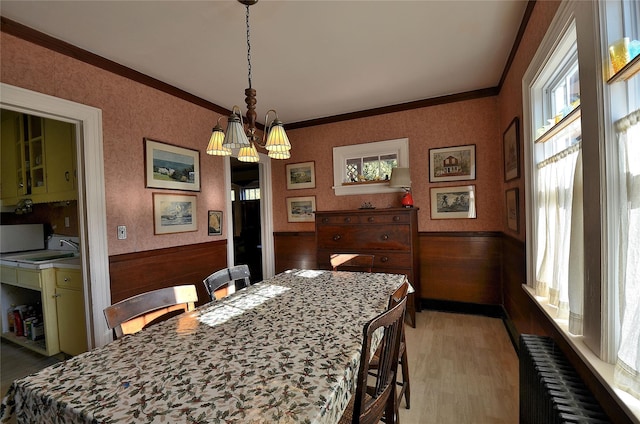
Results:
[550, 389]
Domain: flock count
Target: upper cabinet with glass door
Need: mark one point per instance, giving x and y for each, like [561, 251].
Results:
[38, 159]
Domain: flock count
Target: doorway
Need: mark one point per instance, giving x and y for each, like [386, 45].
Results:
[246, 211]
[91, 195]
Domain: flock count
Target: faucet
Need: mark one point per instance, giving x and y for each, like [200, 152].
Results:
[70, 243]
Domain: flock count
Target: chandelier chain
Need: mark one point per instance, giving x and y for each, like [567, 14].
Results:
[248, 48]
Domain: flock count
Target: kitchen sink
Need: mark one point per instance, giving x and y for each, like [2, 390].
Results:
[43, 258]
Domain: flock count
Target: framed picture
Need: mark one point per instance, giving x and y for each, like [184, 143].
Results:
[453, 202]
[215, 223]
[301, 175]
[511, 145]
[452, 163]
[301, 209]
[174, 213]
[513, 212]
[171, 167]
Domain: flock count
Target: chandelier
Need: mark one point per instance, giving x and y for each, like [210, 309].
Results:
[237, 136]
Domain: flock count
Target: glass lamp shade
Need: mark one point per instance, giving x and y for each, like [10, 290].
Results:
[235, 137]
[248, 154]
[277, 139]
[279, 155]
[215, 146]
[400, 177]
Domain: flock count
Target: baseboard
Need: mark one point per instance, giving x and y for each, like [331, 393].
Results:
[493, 311]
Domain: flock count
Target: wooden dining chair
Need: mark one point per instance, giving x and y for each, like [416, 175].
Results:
[352, 262]
[141, 311]
[371, 403]
[225, 277]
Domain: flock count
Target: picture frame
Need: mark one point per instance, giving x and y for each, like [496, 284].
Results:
[512, 201]
[301, 175]
[511, 150]
[456, 163]
[301, 209]
[215, 223]
[174, 213]
[453, 202]
[171, 167]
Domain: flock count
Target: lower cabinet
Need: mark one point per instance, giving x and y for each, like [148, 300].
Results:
[72, 329]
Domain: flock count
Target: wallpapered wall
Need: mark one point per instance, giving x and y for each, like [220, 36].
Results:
[453, 124]
[130, 112]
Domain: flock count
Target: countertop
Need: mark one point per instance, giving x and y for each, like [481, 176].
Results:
[17, 260]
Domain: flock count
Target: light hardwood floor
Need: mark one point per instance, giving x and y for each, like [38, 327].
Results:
[464, 370]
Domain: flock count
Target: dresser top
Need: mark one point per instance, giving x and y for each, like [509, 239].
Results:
[365, 211]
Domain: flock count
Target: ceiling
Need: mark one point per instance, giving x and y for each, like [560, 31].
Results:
[310, 59]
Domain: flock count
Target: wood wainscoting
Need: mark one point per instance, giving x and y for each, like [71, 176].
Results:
[295, 250]
[461, 267]
[139, 272]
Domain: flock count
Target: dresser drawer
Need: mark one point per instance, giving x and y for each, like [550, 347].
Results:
[364, 218]
[388, 260]
[364, 237]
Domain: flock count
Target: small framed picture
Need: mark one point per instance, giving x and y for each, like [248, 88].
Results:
[513, 211]
[301, 209]
[215, 223]
[171, 167]
[511, 145]
[174, 213]
[301, 175]
[453, 202]
[456, 163]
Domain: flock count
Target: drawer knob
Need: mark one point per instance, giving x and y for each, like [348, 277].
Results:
[370, 219]
[337, 237]
[67, 279]
[325, 220]
[347, 219]
[385, 237]
[384, 259]
[56, 295]
[396, 218]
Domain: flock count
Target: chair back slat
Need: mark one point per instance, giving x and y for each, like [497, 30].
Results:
[145, 304]
[225, 277]
[352, 262]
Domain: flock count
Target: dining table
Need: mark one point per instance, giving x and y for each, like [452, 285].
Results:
[284, 350]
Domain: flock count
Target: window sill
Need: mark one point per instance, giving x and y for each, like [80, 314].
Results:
[602, 370]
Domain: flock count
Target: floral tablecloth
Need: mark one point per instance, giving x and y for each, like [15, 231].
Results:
[285, 350]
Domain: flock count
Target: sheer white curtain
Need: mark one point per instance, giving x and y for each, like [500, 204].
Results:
[559, 212]
[627, 372]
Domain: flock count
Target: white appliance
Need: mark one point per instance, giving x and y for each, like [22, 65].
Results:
[21, 237]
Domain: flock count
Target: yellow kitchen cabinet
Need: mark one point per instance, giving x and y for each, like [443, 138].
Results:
[9, 139]
[60, 161]
[40, 163]
[23, 286]
[70, 307]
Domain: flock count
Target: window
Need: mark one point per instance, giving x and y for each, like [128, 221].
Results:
[602, 137]
[622, 24]
[251, 193]
[555, 97]
[366, 168]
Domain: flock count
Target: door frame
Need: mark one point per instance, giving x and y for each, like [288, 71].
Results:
[92, 215]
[266, 215]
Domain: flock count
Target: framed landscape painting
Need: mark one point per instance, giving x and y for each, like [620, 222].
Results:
[171, 167]
[215, 223]
[174, 213]
[456, 163]
[301, 209]
[513, 212]
[511, 146]
[453, 202]
[301, 175]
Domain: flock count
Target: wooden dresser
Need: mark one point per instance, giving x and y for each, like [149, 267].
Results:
[391, 235]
